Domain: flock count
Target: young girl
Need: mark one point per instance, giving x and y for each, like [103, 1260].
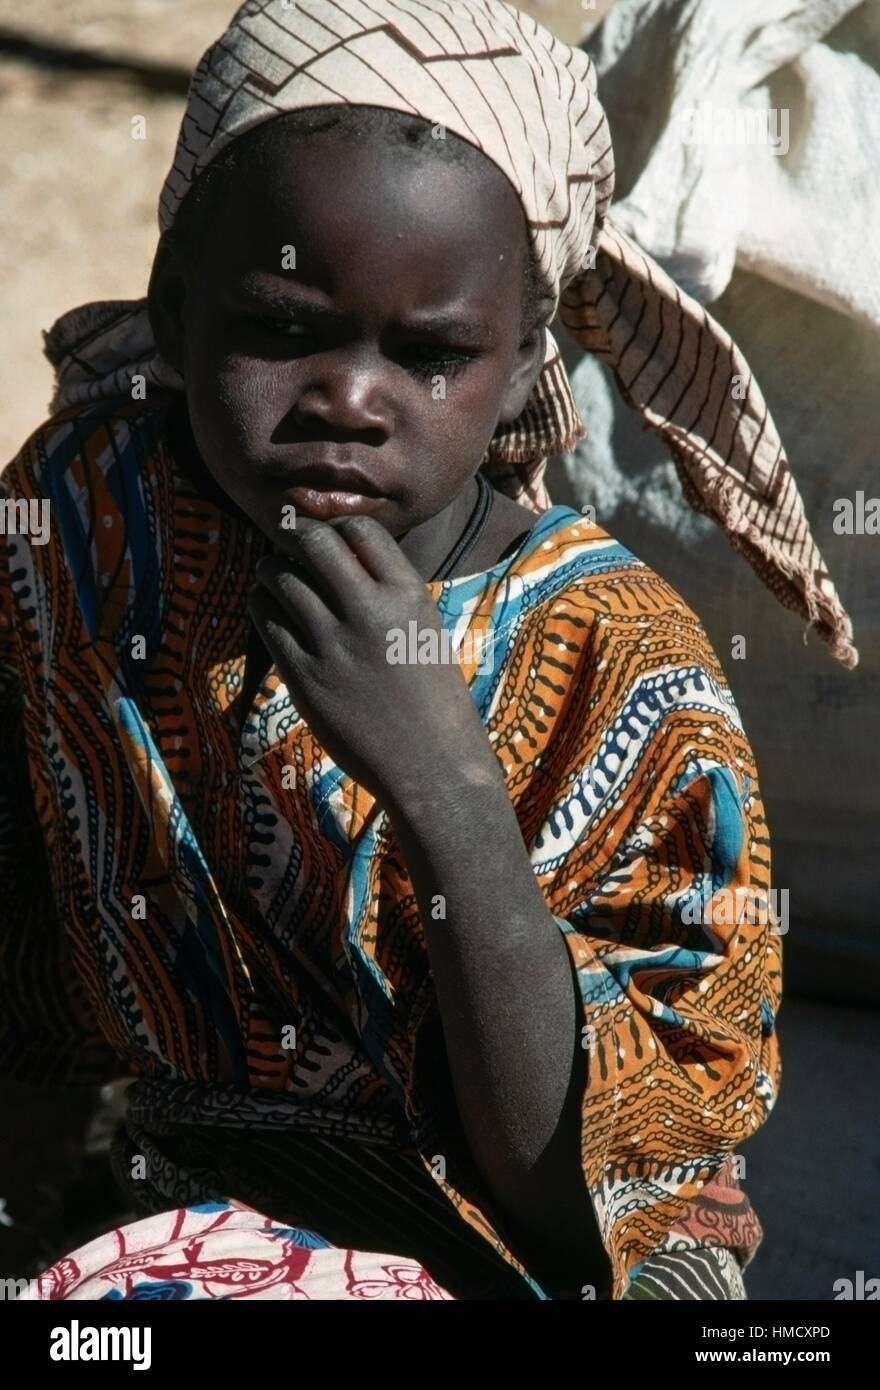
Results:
[406, 955]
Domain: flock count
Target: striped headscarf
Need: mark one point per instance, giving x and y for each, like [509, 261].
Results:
[492, 76]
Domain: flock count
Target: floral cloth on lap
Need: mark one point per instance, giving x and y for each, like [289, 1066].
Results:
[227, 1250]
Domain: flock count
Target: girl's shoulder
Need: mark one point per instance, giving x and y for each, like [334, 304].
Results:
[570, 562]
[574, 602]
[98, 437]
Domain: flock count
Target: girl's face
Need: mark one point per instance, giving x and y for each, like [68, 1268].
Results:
[350, 336]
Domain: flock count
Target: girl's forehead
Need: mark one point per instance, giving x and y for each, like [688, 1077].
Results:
[333, 169]
[330, 201]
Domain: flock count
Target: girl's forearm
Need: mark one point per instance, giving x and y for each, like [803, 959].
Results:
[507, 996]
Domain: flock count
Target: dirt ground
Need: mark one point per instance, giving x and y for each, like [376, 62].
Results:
[72, 229]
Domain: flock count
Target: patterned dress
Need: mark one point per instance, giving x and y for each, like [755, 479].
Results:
[199, 898]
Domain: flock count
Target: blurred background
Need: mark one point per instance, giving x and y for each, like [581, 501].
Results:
[784, 246]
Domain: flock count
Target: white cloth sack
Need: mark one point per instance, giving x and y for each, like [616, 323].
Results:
[786, 247]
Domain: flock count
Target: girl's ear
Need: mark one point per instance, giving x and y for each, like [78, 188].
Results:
[526, 370]
[165, 299]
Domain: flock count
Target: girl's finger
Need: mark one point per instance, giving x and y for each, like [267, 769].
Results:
[327, 562]
[296, 592]
[287, 638]
[377, 550]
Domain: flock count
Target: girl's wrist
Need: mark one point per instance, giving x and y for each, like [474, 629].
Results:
[450, 792]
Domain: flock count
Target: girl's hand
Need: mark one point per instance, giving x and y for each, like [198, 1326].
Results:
[326, 615]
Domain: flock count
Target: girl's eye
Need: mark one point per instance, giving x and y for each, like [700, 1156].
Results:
[286, 327]
[427, 362]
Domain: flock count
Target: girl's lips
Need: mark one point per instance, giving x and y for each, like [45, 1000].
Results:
[321, 504]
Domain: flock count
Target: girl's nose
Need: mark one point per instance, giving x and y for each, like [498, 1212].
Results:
[347, 394]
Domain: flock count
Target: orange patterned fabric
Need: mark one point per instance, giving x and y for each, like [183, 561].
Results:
[188, 889]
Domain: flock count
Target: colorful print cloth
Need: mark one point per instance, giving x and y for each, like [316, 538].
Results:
[224, 1250]
[198, 897]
